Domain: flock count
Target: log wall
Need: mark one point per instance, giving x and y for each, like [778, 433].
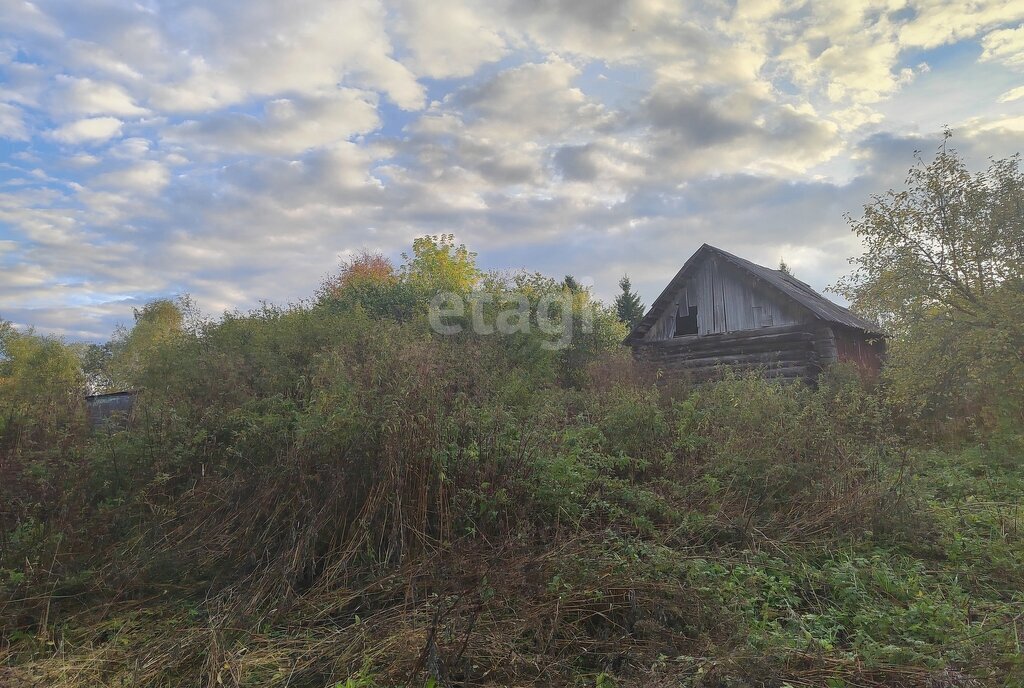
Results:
[796, 352]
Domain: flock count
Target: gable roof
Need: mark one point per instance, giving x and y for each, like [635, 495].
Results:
[788, 285]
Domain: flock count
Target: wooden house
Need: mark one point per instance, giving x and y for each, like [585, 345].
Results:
[721, 310]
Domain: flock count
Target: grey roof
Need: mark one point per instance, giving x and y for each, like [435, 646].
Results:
[790, 286]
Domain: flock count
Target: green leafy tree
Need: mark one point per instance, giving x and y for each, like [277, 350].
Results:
[96, 360]
[157, 323]
[628, 306]
[943, 271]
[784, 267]
[596, 330]
[438, 264]
[39, 375]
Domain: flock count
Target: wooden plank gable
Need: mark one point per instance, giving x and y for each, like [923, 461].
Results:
[727, 300]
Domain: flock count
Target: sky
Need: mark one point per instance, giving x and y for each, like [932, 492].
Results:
[237, 151]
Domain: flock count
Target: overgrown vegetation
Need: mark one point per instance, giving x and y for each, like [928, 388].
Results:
[333, 494]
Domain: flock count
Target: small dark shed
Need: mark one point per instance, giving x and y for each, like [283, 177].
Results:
[720, 309]
[113, 408]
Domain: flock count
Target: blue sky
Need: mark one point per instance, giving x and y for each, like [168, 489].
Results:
[236, 151]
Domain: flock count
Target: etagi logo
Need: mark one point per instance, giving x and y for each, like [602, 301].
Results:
[554, 315]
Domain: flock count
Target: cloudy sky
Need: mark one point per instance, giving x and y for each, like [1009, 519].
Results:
[234, 150]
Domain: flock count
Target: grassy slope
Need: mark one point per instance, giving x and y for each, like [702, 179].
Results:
[940, 608]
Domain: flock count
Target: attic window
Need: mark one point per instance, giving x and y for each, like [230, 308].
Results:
[687, 324]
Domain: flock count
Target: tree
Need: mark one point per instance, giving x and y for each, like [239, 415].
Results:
[784, 268]
[628, 306]
[96, 359]
[943, 271]
[156, 324]
[363, 268]
[40, 376]
[369, 281]
[437, 264]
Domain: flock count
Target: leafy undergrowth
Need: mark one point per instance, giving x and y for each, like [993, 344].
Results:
[309, 498]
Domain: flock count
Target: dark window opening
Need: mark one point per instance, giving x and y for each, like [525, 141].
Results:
[687, 324]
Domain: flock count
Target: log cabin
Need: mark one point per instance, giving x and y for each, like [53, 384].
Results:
[721, 310]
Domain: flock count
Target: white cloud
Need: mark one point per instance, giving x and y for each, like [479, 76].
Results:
[89, 97]
[847, 51]
[21, 15]
[286, 126]
[699, 131]
[148, 177]
[530, 101]
[83, 160]
[614, 31]
[427, 29]
[1003, 124]
[267, 48]
[1012, 95]
[938, 22]
[338, 175]
[133, 148]
[1005, 45]
[107, 59]
[12, 124]
[22, 83]
[91, 130]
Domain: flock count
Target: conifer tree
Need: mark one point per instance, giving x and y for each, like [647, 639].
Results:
[627, 304]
